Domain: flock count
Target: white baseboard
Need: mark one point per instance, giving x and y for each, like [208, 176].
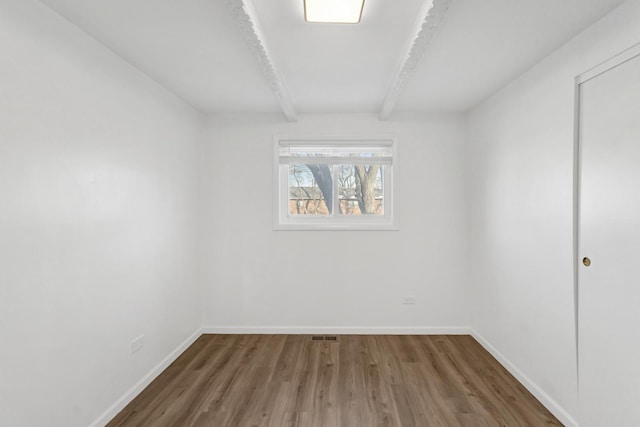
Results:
[339, 330]
[558, 411]
[144, 382]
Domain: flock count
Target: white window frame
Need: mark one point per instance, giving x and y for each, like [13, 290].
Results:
[282, 220]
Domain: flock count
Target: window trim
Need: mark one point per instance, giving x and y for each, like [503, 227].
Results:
[283, 221]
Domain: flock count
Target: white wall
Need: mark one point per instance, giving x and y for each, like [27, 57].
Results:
[98, 194]
[254, 276]
[521, 186]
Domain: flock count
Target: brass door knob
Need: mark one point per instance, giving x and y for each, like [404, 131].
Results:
[586, 261]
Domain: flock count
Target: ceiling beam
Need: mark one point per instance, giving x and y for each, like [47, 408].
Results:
[247, 20]
[431, 14]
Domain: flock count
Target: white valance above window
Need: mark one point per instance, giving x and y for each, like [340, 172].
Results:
[330, 153]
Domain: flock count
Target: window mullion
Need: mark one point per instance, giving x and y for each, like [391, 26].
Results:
[336, 192]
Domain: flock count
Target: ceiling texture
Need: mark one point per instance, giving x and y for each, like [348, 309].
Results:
[262, 56]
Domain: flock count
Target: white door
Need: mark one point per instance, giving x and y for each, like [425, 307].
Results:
[609, 235]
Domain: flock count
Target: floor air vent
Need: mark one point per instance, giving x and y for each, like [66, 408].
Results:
[324, 338]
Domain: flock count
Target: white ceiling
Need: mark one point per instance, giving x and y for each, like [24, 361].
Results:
[197, 49]
[485, 44]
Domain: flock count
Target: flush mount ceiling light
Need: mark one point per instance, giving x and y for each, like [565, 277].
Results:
[333, 11]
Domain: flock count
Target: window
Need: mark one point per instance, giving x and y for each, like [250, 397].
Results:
[341, 183]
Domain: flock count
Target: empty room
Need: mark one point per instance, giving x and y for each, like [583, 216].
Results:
[333, 213]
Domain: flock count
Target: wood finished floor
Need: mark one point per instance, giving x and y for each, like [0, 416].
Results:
[289, 380]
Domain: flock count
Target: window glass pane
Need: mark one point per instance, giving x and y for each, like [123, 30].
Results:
[310, 189]
[361, 190]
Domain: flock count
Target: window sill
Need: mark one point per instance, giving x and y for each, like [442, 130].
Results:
[335, 227]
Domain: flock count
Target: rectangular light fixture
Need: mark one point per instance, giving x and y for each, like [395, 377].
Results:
[333, 11]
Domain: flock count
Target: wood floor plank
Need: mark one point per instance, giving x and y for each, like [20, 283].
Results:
[379, 381]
